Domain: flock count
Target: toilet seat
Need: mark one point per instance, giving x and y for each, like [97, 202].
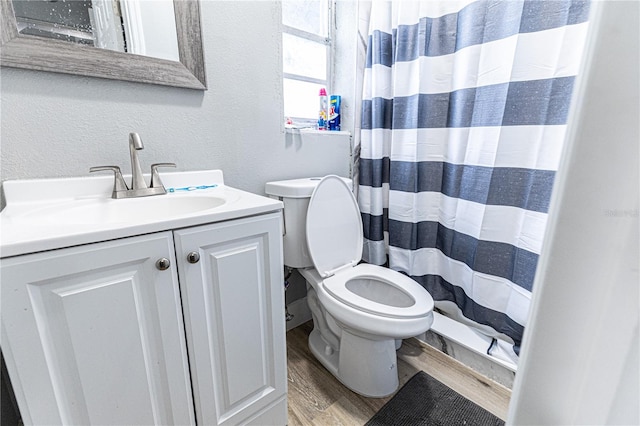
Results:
[334, 238]
[409, 301]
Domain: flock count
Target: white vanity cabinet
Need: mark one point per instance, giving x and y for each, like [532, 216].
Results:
[95, 334]
[233, 303]
[99, 333]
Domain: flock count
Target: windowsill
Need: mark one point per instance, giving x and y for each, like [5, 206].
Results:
[309, 131]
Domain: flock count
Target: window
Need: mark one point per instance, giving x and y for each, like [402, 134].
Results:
[307, 53]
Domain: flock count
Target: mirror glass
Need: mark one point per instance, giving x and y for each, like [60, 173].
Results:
[142, 27]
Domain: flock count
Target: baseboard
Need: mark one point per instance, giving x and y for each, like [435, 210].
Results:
[468, 346]
[471, 339]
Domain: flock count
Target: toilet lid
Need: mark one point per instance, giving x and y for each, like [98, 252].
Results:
[334, 227]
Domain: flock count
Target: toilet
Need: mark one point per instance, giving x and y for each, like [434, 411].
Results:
[360, 312]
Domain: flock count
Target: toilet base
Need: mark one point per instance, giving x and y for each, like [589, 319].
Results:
[367, 367]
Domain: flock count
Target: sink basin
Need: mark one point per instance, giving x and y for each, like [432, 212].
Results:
[129, 210]
[53, 213]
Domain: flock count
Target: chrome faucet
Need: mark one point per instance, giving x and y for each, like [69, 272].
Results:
[135, 145]
[138, 186]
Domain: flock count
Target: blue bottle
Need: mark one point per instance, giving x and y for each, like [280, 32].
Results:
[334, 112]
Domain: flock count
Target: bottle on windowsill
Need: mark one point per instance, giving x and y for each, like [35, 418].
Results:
[322, 115]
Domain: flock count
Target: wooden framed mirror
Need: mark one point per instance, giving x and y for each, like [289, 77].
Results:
[46, 54]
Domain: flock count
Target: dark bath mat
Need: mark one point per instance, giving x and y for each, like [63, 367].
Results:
[425, 401]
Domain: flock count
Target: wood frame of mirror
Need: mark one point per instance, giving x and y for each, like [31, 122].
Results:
[37, 53]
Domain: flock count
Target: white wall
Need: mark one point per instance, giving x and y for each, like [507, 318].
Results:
[579, 360]
[60, 125]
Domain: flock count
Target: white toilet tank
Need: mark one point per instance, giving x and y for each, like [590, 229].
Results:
[295, 194]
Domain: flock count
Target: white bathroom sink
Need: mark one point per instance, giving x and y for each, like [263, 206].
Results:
[46, 214]
[128, 210]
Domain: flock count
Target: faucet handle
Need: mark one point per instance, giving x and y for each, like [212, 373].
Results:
[118, 184]
[155, 176]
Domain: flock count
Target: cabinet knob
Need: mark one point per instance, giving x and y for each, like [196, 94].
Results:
[193, 257]
[163, 264]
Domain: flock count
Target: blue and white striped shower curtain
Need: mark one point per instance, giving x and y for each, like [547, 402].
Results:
[464, 114]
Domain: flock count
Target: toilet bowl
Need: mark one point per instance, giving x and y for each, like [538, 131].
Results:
[360, 311]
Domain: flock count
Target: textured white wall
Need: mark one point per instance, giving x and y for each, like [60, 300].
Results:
[60, 125]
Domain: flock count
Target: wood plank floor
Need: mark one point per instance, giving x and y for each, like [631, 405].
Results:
[318, 398]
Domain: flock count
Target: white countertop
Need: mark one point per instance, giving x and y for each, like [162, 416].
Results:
[25, 228]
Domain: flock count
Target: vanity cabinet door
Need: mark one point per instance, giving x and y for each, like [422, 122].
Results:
[94, 334]
[233, 302]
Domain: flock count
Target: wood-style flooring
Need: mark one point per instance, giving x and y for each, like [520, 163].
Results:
[318, 398]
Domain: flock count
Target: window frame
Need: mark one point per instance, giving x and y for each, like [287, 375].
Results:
[329, 43]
